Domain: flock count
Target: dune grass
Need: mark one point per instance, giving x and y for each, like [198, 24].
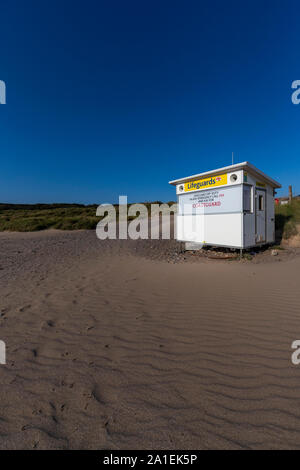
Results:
[287, 218]
[30, 218]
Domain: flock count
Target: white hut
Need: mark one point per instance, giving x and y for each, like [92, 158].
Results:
[230, 207]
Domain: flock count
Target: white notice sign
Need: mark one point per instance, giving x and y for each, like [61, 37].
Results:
[215, 201]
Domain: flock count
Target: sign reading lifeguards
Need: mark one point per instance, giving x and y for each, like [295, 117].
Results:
[206, 183]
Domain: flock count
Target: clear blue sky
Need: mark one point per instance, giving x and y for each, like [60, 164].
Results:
[118, 97]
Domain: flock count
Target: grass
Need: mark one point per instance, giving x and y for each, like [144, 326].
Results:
[30, 218]
[247, 256]
[287, 217]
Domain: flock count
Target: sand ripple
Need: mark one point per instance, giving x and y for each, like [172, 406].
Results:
[109, 350]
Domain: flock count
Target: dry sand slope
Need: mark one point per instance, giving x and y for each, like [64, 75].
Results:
[107, 349]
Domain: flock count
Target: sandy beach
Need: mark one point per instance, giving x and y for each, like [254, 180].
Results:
[113, 345]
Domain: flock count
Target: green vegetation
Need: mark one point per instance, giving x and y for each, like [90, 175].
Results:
[33, 217]
[287, 217]
[25, 218]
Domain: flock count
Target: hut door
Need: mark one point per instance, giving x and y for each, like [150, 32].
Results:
[260, 211]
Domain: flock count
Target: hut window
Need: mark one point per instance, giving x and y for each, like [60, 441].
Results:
[247, 198]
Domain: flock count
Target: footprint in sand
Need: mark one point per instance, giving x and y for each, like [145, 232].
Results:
[3, 312]
[24, 308]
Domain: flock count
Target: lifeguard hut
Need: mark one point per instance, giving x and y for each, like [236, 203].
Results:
[229, 207]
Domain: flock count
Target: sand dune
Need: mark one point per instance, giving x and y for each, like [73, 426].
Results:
[109, 349]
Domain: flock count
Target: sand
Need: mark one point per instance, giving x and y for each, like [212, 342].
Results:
[116, 345]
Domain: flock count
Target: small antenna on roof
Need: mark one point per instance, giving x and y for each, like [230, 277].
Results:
[232, 158]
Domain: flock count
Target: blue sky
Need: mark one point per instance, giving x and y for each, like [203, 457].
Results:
[109, 98]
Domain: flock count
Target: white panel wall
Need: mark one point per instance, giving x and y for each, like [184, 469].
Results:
[249, 219]
[249, 230]
[218, 229]
[270, 233]
[230, 229]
